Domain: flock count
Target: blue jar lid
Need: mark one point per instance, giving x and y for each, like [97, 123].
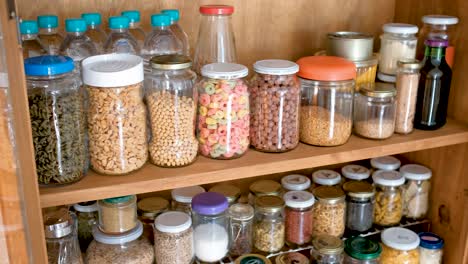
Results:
[209, 203]
[119, 22]
[92, 18]
[29, 27]
[174, 14]
[430, 240]
[47, 21]
[120, 199]
[75, 25]
[160, 20]
[133, 15]
[48, 65]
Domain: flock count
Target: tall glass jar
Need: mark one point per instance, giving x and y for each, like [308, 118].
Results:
[399, 245]
[407, 92]
[295, 182]
[385, 163]
[359, 206]
[274, 100]
[329, 212]
[210, 222]
[298, 217]
[361, 250]
[325, 178]
[87, 217]
[353, 172]
[117, 215]
[148, 209]
[327, 249]
[327, 85]
[262, 188]
[269, 227]
[431, 248]
[374, 111]
[182, 198]
[223, 111]
[388, 209]
[231, 192]
[56, 109]
[215, 37]
[416, 190]
[241, 229]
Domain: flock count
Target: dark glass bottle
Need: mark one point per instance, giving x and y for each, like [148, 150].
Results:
[434, 87]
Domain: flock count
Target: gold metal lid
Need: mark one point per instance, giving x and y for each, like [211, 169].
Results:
[269, 203]
[231, 192]
[410, 64]
[359, 189]
[265, 187]
[378, 90]
[326, 244]
[171, 62]
[292, 258]
[151, 207]
[329, 194]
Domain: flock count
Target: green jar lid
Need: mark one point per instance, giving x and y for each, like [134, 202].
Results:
[362, 248]
[252, 259]
[120, 199]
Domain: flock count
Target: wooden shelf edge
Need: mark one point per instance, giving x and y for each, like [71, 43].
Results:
[204, 171]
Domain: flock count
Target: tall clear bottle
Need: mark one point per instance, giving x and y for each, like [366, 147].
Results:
[135, 27]
[32, 47]
[174, 15]
[120, 40]
[48, 33]
[77, 45]
[94, 31]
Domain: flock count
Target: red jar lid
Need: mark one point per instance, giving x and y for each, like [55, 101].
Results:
[216, 9]
[326, 68]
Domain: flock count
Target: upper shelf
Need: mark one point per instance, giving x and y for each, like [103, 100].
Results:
[152, 178]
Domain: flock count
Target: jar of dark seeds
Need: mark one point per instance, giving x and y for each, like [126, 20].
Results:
[241, 229]
[359, 205]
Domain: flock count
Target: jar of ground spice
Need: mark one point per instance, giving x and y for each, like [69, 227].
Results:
[407, 82]
[388, 209]
[298, 217]
[359, 205]
[329, 211]
[241, 229]
[262, 188]
[148, 209]
[269, 227]
[117, 215]
[231, 192]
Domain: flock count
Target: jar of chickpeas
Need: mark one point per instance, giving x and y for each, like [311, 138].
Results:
[400, 246]
[388, 208]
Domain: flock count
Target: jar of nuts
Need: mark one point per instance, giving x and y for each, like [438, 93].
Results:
[400, 246]
[388, 208]
[329, 211]
[327, 85]
[116, 114]
[274, 102]
[269, 226]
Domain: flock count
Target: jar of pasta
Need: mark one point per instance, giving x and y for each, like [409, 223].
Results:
[298, 217]
[262, 188]
[327, 250]
[325, 178]
[361, 250]
[117, 215]
[182, 198]
[400, 246]
[385, 163]
[354, 172]
[431, 248]
[416, 190]
[269, 227]
[329, 211]
[388, 209]
[359, 205]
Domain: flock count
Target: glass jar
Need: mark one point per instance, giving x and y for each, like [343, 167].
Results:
[231, 192]
[252, 258]
[241, 229]
[388, 208]
[118, 214]
[295, 182]
[398, 42]
[129, 248]
[173, 238]
[361, 250]
[116, 116]
[263, 188]
[210, 222]
[56, 109]
[374, 111]
[292, 258]
[416, 190]
[269, 227]
[325, 178]
[275, 100]
[355, 172]
[148, 209]
[431, 248]
[327, 85]
[298, 217]
[399, 245]
[386, 78]
[171, 101]
[119, 39]
[87, 217]
[327, 250]
[366, 70]
[182, 198]
[407, 91]
[223, 111]
[329, 212]
[215, 37]
[359, 206]
[385, 163]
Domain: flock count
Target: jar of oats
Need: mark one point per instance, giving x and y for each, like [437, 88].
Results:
[269, 226]
[388, 207]
[399, 246]
[329, 211]
[116, 113]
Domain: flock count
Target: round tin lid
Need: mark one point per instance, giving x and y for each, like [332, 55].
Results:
[386, 77]
[326, 177]
[326, 244]
[292, 258]
[378, 90]
[440, 20]
[116, 239]
[359, 189]
[173, 222]
[415, 172]
[48, 65]
[400, 238]
[265, 187]
[299, 199]
[385, 163]
[231, 192]
[409, 64]
[86, 207]
[152, 206]
[329, 194]
[295, 182]
[388, 178]
[430, 240]
[209, 203]
[242, 212]
[112, 70]
[276, 67]
[400, 28]
[252, 259]
[326, 68]
[269, 203]
[185, 194]
[355, 172]
[226, 71]
[171, 62]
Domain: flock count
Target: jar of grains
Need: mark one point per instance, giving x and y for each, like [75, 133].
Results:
[400, 246]
[148, 209]
[171, 101]
[298, 217]
[374, 111]
[386, 163]
[56, 110]
[274, 102]
[116, 114]
[231, 192]
[361, 250]
[295, 182]
[325, 178]
[129, 248]
[241, 229]
[407, 90]
[263, 187]
[359, 205]
[355, 172]
[430, 248]
[329, 211]
[210, 222]
[397, 42]
[87, 216]
[182, 198]
[117, 215]
[388, 208]
[416, 190]
[269, 229]
[327, 85]
[327, 250]
[252, 258]
[173, 238]
[223, 111]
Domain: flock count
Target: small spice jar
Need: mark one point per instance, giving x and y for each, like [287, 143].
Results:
[359, 206]
[252, 258]
[361, 250]
[374, 111]
[231, 192]
[407, 82]
[292, 258]
[173, 236]
[399, 245]
[262, 188]
[210, 222]
[87, 216]
[223, 111]
[329, 211]
[388, 208]
[269, 227]
[386, 163]
[298, 217]
[182, 198]
[416, 190]
[327, 249]
[148, 209]
[325, 178]
[354, 172]
[274, 101]
[241, 229]
[430, 248]
[327, 85]
[295, 182]
[117, 215]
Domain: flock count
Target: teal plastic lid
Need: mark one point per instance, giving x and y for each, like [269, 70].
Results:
[48, 65]
[92, 18]
[75, 25]
[120, 199]
[174, 14]
[47, 21]
[362, 248]
[160, 20]
[28, 27]
[119, 22]
[133, 15]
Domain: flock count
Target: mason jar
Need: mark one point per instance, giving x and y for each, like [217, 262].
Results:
[388, 208]
[295, 182]
[431, 248]
[298, 216]
[263, 187]
[148, 209]
[353, 172]
[118, 215]
[416, 190]
[241, 229]
[329, 212]
[182, 198]
[327, 249]
[269, 227]
[325, 178]
[361, 250]
[87, 217]
[359, 206]
[407, 82]
[231, 192]
[399, 245]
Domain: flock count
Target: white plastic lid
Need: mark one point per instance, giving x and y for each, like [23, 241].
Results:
[388, 178]
[112, 70]
[295, 182]
[326, 177]
[126, 237]
[400, 28]
[299, 199]
[185, 195]
[440, 20]
[173, 222]
[222, 70]
[276, 67]
[355, 172]
[415, 172]
[386, 78]
[3, 79]
[86, 208]
[400, 238]
[386, 163]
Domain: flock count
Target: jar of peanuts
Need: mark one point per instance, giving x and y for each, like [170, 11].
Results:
[274, 99]
[223, 111]
[171, 101]
[116, 113]
[400, 246]
[388, 207]
[329, 211]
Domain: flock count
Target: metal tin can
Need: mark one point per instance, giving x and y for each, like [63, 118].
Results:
[353, 46]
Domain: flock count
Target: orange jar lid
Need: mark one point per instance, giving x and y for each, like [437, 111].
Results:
[326, 68]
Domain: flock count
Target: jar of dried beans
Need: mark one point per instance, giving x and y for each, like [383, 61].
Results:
[399, 246]
[329, 211]
[262, 188]
[327, 250]
[407, 82]
[241, 229]
[182, 198]
[416, 190]
[274, 101]
[295, 182]
[117, 215]
[325, 178]
[355, 172]
[388, 209]
[359, 206]
[148, 209]
[269, 227]
[361, 250]
[298, 217]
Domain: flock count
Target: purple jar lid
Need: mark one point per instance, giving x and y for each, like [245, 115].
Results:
[209, 203]
[436, 42]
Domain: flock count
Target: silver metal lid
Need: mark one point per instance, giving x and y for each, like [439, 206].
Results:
[353, 46]
[410, 64]
[58, 223]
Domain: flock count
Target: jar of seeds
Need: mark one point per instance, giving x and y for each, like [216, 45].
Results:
[269, 227]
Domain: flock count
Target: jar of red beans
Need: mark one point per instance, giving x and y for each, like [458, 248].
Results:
[298, 217]
[274, 101]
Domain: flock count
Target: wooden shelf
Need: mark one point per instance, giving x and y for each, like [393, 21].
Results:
[151, 178]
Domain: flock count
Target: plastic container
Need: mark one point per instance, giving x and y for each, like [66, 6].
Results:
[400, 246]
[116, 145]
[416, 190]
[329, 212]
[262, 188]
[275, 101]
[431, 248]
[118, 215]
[327, 85]
[241, 229]
[295, 182]
[119, 39]
[269, 226]
[87, 217]
[361, 250]
[174, 15]
[56, 110]
[49, 36]
[327, 250]
[182, 198]
[326, 178]
[76, 44]
[359, 206]
[148, 209]
[355, 172]
[223, 111]
[388, 208]
[231, 192]
[94, 32]
[387, 163]
[134, 28]
[298, 216]
[172, 107]
[30, 43]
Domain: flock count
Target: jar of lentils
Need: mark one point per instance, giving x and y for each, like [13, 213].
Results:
[361, 250]
[327, 250]
[416, 190]
[359, 205]
[329, 211]
[399, 246]
[269, 228]
[388, 209]
[298, 217]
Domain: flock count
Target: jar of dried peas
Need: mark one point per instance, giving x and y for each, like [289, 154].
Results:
[400, 246]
